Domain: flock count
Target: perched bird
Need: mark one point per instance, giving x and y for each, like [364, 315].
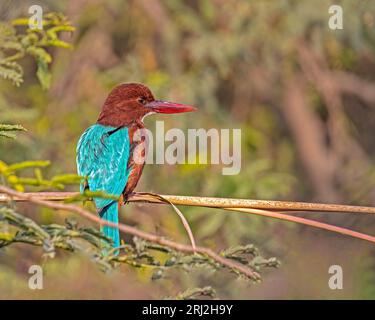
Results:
[106, 150]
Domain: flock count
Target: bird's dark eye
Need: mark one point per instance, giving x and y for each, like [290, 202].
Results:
[142, 100]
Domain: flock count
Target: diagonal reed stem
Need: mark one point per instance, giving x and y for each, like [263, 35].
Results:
[309, 222]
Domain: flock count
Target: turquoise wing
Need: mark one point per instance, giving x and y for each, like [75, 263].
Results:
[102, 156]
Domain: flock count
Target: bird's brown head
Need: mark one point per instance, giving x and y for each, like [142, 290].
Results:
[131, 102]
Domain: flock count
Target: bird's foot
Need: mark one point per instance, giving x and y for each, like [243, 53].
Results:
[125, 197]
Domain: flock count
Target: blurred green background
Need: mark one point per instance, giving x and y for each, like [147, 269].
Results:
[303, 95]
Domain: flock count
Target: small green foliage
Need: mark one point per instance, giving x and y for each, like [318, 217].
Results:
[241, 253]
[11, 177]
[88, 195]
[195, 293]
[50, 236]
[17, 40]
[10, 173]
[43, 74]
[16, 228]
[26, 164]
[6, 130]
[143, 250]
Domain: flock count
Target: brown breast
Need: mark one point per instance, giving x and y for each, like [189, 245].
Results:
[136, 160]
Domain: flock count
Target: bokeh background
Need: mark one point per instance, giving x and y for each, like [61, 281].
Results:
[303, 95]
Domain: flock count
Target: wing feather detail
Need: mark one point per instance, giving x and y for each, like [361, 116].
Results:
[102, 156]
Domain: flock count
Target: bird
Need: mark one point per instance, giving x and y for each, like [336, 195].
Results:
[107, 150]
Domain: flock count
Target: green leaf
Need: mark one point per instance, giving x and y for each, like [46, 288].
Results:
[6, 130]
[11, 71]
[11, 127]
[7, 135]
[28, 164]
[89, 195]
[17, 41]
[40, 53]
[68, 179]
[43, 74]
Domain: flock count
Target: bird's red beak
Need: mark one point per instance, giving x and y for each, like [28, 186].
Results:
[169, 107]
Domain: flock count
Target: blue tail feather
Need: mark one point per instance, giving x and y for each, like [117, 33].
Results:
[110, 213]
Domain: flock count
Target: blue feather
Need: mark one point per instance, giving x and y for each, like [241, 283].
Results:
[102, 156]
[110, 213]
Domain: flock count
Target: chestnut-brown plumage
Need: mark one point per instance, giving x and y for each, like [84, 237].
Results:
[127, 105]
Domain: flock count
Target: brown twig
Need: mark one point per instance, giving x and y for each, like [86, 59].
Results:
[307, 130]
[181, 216]
[309, 222]
[12, 194]
[352, 84]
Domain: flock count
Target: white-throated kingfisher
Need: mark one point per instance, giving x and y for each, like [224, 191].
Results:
[105, 151]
